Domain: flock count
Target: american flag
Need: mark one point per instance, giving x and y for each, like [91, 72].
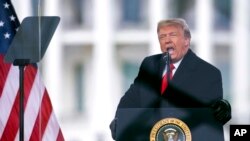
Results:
[40, 122]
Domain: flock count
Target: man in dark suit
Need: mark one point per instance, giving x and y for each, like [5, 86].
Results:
[191, 83]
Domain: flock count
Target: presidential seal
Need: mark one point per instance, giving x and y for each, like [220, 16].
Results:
[170, 129]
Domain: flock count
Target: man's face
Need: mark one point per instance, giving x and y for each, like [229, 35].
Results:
[171, 38]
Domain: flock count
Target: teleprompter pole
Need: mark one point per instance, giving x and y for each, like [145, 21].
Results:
[21, 63]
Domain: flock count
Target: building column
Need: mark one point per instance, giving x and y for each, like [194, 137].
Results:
[103, 69]
[157, 12]
[204, 29]
[52, 61]
[22, 8]
[240, 61]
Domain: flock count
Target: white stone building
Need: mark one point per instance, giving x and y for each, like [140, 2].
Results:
[99, 45]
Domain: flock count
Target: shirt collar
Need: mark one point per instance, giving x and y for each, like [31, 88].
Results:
[176, 64]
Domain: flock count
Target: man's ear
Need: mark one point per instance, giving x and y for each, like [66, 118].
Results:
[187, 41]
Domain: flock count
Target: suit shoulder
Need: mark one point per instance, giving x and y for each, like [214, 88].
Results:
[208, 66]
[155, 56]
[151, 58]
[193, 61]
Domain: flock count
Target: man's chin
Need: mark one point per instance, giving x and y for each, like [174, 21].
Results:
[174, 60]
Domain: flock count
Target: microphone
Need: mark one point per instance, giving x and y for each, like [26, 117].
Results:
[167, 60]
[166, 57]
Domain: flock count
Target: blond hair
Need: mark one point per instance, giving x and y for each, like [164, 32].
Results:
[177, 22]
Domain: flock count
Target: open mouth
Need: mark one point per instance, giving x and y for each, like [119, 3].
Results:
[170, 50]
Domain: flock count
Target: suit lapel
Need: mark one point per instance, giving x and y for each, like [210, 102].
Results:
[183, 72]
[161, 68]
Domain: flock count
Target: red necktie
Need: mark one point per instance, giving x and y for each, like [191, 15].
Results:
[164, 83]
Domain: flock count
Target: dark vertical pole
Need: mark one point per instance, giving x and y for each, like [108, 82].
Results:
[21, 63]
[21, 102]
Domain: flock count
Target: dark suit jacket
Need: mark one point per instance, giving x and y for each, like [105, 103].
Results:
[195, 83]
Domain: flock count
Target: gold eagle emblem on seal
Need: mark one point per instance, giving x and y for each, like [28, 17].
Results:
[170, 129]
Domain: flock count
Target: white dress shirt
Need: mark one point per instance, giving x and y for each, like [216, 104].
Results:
[176, 65]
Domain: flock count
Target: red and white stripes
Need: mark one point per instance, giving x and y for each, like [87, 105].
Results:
[40, 122]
